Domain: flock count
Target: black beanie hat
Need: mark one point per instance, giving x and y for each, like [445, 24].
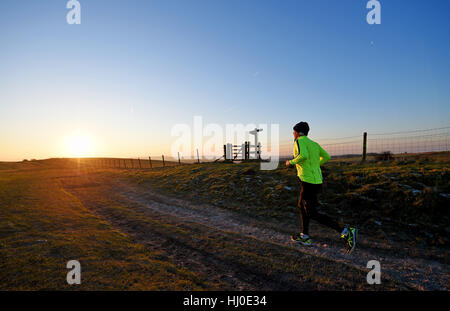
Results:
[302, 127]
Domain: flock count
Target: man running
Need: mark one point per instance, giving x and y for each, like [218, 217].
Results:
[308, 157]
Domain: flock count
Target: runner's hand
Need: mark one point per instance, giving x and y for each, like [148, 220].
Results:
[288, 163]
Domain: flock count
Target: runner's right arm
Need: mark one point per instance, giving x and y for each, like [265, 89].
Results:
[324, 156]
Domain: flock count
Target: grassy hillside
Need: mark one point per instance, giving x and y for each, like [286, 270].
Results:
[405, 199]
[53, 211]
[42, 227]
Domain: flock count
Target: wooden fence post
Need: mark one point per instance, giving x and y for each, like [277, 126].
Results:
[124, 163]
[247, 150]
[179, 162]
[364, 155]
[164, 163]
[150, 161]
[139, 160]
[198, 158]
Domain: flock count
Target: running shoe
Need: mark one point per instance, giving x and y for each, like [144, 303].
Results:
[301, 238]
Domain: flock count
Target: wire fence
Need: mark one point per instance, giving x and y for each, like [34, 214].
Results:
[417, 141]
[149, 162]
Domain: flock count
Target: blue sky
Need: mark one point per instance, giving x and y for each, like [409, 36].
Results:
[133, 69]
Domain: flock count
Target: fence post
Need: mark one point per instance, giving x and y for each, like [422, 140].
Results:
[244, 151]
[247, 150]
[139, 160]
[150, 161]
[224, 152]
[164, 163]
[179, 163]
[364, 155]
[198, 158]
[124, 163]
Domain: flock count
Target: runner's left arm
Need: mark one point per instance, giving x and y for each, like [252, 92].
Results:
[301, 156]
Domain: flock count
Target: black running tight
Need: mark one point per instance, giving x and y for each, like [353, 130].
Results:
[308, 204]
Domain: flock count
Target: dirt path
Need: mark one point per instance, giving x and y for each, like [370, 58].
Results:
[414, 273]
[199, 221]
[186, 242]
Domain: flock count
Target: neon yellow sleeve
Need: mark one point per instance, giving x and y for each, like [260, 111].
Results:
[324, 156]
[301, 156]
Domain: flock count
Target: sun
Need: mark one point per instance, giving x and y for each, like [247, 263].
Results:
[79, 145]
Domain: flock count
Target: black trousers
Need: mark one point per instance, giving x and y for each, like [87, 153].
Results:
[308, 204]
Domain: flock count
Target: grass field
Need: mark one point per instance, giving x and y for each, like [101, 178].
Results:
[396, 196]
[54, 210]
[42, 226]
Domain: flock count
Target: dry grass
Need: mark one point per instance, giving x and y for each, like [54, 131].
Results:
[56, 210]
[42, 227]
[399, 196]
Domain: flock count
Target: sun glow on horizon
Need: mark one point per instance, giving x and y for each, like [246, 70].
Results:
[79, 145]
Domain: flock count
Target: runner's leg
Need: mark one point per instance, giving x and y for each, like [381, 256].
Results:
[303, 215]
[310, 192]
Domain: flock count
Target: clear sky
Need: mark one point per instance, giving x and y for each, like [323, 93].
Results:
[133, 69]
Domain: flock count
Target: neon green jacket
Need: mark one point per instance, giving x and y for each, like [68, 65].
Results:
[309, 159]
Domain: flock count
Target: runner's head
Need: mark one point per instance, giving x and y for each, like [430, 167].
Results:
[302, 128]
